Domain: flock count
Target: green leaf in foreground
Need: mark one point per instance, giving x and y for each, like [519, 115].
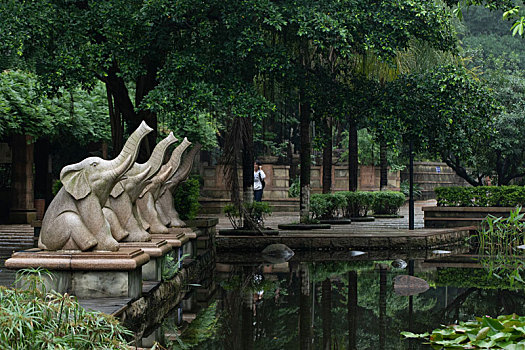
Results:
[504, 332]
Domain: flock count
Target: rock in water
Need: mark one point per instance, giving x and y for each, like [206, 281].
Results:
[277, 253]
[409, 285]
[399, 264]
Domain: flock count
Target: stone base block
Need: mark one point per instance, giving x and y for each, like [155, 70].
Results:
[174, 239]
[157, 250]
[87, 274]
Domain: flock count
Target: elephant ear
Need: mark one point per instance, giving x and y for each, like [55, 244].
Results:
[117, 190]
[75, 182]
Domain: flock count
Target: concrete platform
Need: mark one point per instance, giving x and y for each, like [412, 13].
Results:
[341, 239]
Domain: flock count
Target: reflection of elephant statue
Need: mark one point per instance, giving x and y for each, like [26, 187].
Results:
[120, 210]
[146, 202]
[164, 202]
[74, 219]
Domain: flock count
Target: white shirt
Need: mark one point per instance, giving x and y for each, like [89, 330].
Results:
[257, 185]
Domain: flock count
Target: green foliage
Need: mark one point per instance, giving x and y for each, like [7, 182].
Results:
[499, 241]
[358, 203]
[387, 202]
[328, 205]
[467, 278]
[503, 332]
[444, 112]
[33, 318]
[75, 114]
[295, 188]
[480, 196]
[405, 189]
[57, 185]
[171, 267]
[186, 198]
[249, 215]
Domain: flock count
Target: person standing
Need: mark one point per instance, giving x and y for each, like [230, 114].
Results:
[258, 181]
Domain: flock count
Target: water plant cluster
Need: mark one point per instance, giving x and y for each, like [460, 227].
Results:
[33, 318]
[501, 246]
[350, 204]
[504, 332]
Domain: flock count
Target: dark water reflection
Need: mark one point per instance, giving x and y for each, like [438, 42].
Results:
[333, 305]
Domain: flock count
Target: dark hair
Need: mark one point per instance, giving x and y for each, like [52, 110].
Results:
[258, 162]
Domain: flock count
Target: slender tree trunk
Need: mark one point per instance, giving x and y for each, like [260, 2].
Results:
[353, 161]
[306, 162]
[326, 312]
[383, 164]
[247, 163]
[327, 156]
[115, 118]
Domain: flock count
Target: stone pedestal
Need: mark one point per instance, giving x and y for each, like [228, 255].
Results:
[22, 209]
[157, 250]
[87, 274]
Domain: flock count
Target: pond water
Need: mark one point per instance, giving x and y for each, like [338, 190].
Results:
[353, 304]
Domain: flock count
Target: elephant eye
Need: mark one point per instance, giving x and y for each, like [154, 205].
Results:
[94, 164]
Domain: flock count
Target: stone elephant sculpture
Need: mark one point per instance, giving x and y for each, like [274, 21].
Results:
[120, 209]
[74, 219]
[164, 200]
[146, 201]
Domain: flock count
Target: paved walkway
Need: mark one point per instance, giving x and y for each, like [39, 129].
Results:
[401, 223]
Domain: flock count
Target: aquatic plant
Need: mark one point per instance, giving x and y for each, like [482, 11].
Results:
[504, 332]
[501, 246]
[33, 318]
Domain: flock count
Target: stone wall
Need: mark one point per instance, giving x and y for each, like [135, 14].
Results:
[215, 194]
[429, 175]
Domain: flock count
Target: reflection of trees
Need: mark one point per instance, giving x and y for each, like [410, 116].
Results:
[352, 310]
[305, 309]
[326, 313]
[342, 320]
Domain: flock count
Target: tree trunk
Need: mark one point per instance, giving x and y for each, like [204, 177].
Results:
[383, 163]
[306, 162]
[353, 161]
[327, 156]
[117, 127]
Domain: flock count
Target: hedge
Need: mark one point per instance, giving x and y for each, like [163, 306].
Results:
[354, 204]
[480, 196]
[387, 202]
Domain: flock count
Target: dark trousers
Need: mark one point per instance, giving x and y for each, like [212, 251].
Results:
[257, 195]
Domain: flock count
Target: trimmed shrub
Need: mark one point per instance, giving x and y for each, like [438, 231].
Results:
[387, 202]
[328, 205]
[186, 198]
[480, 196]
[357, 203]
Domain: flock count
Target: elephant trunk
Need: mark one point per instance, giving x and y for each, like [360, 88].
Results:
[157, 156]
[176, 155]
[130, 151]
[184, 170]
